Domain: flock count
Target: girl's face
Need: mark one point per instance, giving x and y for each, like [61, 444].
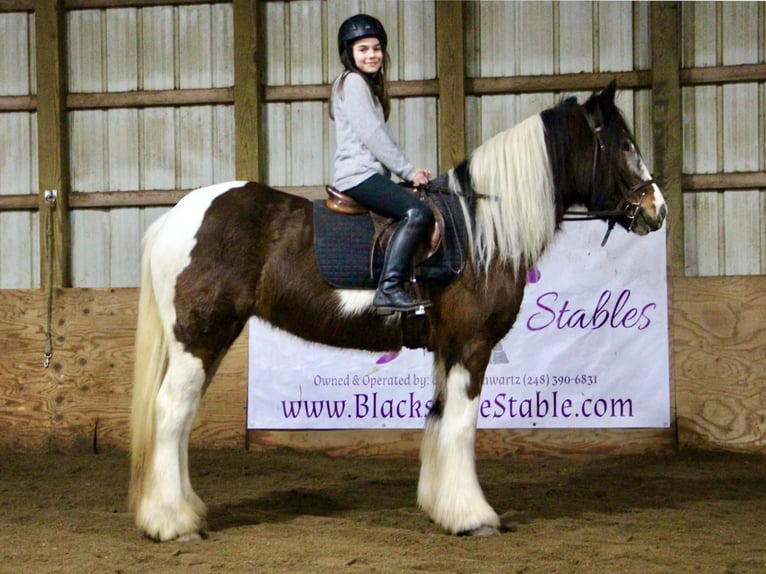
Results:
[368, 55]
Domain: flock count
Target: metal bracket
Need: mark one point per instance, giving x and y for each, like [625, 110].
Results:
[50, 196]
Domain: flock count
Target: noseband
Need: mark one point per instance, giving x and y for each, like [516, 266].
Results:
[626, 207]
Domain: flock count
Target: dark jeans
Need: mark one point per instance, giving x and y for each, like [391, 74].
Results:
[383, 196]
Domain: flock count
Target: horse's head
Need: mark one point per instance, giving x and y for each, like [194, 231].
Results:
[620, 187]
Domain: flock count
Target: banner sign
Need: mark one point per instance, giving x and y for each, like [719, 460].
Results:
[589, 350]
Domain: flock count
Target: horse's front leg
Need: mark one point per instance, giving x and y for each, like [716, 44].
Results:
[448, 489]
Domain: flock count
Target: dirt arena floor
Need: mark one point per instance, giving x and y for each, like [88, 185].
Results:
[284, 511]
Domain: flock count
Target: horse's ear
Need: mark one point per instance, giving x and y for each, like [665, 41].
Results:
[607, 95]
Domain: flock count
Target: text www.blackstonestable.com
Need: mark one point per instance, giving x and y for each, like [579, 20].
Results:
[502, 405]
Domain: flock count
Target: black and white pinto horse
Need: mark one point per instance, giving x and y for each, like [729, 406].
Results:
[231, 251]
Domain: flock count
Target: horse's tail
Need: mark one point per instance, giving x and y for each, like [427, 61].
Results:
[151, 361]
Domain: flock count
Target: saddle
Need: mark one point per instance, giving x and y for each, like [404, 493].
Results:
[339, 202]
[350, 240]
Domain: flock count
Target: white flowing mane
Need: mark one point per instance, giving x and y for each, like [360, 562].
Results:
[518, 218]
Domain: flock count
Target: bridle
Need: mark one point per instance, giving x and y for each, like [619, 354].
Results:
[626, 208]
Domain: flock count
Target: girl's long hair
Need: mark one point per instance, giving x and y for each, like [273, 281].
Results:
[376, 82]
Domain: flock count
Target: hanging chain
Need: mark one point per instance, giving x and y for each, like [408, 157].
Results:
[50, 200]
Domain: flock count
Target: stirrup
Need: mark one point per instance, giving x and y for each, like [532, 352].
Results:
[417, 308]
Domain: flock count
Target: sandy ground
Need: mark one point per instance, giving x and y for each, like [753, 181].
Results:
[284, 511]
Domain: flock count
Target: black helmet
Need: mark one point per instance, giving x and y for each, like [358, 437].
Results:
[360, 26]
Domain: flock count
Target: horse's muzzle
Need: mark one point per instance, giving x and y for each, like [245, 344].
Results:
[652, 212]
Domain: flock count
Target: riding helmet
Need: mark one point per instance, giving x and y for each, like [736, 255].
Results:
[360, 26]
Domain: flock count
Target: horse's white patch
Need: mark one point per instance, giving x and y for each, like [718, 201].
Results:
[352, 302]
[449, 489]
[658, 198]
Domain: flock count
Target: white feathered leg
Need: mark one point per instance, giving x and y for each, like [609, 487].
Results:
[170, 509]
[448, 489]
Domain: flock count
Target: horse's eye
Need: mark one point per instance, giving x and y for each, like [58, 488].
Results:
[627, 145]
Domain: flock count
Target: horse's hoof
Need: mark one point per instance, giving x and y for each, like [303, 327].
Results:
[480, 531]
[191, 537]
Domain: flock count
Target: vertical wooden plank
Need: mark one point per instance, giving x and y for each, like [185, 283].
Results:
[615, 36]
[575, 27]
[702, 241]
[53, 173]
[223, 144]
[307, 123]
[741, 144]
[667, 130]
[85, 38]
[19, 255]
[122, 137]
[248, 115]
[223, 45]
[666, 114]
[121, 39]
[273, 136]
[535, 42]
[706, 234]
[500, 39]
[276, 160]
[123, 173]
[195, 138]
[89, 147]
[14, 55]
[156, 48]
[195, 58]
[17, 258]
[89, 228]
[451, 75]
[158, 158]
[534, 38]
[742, 232]
[642, 36]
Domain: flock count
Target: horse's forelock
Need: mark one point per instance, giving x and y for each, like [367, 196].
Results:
[517, 219]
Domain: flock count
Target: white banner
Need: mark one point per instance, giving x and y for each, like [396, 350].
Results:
[589, 350]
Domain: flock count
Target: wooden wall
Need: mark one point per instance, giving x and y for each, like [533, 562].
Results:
[81, 402]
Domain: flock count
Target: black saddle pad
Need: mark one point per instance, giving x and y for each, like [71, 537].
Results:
[342, 246]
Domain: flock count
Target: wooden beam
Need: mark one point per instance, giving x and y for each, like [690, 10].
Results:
[19, 202]
[140, 198]
[692, 182]
[248, 98]
[321, 92]
[52, 138]
[17, 6]
[451, 77]
[99, 4]
[150, 98]
[558, 83]
[18, 103]
[723, 74]
[666, 122]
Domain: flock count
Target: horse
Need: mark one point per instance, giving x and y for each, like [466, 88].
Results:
[230, 251]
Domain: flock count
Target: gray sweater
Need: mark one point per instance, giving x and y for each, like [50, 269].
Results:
[365, 144]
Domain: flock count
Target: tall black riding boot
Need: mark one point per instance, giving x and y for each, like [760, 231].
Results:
[390, 297]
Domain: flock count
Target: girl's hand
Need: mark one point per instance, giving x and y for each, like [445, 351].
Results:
[422, 176]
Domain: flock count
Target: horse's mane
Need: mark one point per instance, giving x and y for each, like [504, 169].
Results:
[515, 214]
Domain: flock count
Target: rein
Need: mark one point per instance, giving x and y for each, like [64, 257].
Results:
[626, 207]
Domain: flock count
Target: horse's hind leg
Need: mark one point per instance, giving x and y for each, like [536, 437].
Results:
[169, 508]
[448, 489]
